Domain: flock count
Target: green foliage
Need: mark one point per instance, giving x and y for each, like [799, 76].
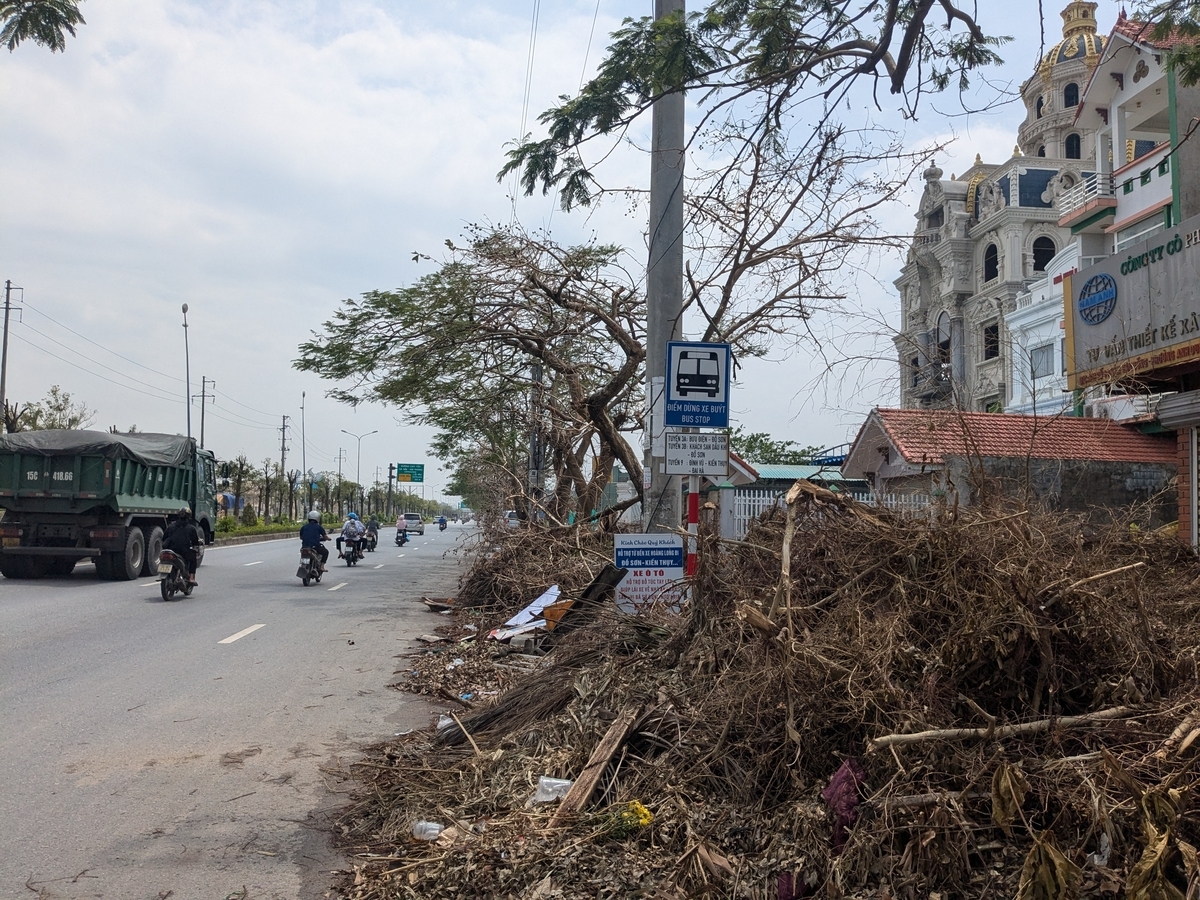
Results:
[772, 54]
[40, 21]
[249, 516]
[55, 410]
[759, 447]
[225, 524]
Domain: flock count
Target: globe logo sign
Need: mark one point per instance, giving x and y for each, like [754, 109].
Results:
[1097, 298]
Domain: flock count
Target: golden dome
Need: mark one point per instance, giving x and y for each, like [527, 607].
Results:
[1080, 40]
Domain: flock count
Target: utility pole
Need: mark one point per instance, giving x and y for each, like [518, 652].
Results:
[203, 395]
[187, 372]
[340, 457]
[391, 475]
[8, 289]
[304, 458]
[664, 290]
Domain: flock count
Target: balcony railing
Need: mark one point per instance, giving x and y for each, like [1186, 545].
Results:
[927, 237]
[1093, 186]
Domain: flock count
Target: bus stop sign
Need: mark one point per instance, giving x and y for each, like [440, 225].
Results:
[697, 385]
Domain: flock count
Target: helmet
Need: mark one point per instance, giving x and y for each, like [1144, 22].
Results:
[184, 512]
[354, 515]
[314, 516]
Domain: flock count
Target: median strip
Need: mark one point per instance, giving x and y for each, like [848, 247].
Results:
[242, 633]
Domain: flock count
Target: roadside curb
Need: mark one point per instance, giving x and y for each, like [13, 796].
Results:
[255, 539]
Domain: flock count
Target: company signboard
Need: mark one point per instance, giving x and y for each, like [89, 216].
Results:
[1137, 312]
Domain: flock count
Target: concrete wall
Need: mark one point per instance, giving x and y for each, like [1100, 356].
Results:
[1074, 485]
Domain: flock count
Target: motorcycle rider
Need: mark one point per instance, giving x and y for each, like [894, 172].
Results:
[442, 523]
[352, 530]
[312, 533]
[182, 539]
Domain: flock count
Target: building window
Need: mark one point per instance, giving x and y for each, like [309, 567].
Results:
[1043, 252]
[1138, 231]
[914, 366]
[1165, 166]
[936, 218]
[1127, 186]
[991, 263]
[991, 405]
[1071, 95]
[1041, 104]
[1042, 150]
[943, 339]
[1062, 346]
[991, 341]
[1073, 147]
[1041, 361]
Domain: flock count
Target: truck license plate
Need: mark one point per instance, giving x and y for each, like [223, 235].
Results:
[164, 568]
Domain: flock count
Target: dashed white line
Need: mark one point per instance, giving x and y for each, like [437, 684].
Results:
[380, 566]
[400, 556]
[338, 587]
[242, 633]
[255, 563]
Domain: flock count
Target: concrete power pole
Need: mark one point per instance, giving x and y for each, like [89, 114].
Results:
[8, 289]
[664, 291]
[204, 395]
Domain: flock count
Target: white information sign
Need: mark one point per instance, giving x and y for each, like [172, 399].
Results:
[655, 563]
[698, 454]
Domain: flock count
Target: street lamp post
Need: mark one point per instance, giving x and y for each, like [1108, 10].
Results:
[187, 373]
[358, 464]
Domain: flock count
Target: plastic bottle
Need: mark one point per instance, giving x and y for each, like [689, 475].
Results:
[427, 831]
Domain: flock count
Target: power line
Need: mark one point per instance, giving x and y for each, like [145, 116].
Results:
[94, 344]
[166, 399]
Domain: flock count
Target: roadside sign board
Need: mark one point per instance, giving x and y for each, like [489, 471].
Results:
[655, 564]
[697, 385]
[698, 453]
[411, 472]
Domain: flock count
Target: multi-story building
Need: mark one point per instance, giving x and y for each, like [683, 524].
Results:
[984, 236]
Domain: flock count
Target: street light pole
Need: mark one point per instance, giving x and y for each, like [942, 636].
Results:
[187, 372]
[358, 464]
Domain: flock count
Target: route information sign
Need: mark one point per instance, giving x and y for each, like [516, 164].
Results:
[410, 472]
[698, 454]
[655, 564]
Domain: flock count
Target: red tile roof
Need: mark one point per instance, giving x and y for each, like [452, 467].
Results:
[1139, 31]
[925, 436]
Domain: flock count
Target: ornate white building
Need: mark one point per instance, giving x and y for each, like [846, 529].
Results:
[985, 236]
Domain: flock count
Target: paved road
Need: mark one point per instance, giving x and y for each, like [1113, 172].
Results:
[151, 748]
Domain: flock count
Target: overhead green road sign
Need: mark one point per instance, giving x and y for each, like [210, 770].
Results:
[410, 472]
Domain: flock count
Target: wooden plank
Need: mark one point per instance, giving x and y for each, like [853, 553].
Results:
[581, 791]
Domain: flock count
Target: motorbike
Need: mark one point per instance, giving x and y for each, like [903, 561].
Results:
[352, 551]
[401, 537]
[441, 526]
[371, 539]
[310, 566]
[173, 575]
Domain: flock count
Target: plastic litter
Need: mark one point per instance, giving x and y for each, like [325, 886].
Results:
[457, 662]
[551, 789]
[427, 831]
[444, 722]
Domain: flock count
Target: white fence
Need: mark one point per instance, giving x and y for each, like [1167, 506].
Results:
[749, 503]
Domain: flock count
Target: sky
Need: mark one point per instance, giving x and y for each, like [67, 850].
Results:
[263, 160]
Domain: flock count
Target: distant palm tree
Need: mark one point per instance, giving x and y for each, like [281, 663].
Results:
[41, 21]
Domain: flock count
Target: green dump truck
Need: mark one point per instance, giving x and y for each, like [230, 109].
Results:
[72, 495]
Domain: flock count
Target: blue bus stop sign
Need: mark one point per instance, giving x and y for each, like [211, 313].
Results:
[697, 385]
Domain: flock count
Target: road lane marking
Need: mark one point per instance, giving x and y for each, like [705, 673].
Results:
[256, 563]
[338, 587]
[400, 556]
[380, 566]
[242, 633]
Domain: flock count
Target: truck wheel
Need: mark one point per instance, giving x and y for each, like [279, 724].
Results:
[129, 563]
[61, 566]
[11, 567]
[103, 566]
[153, 537]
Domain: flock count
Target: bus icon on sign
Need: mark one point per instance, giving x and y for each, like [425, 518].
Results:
[698, 372]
